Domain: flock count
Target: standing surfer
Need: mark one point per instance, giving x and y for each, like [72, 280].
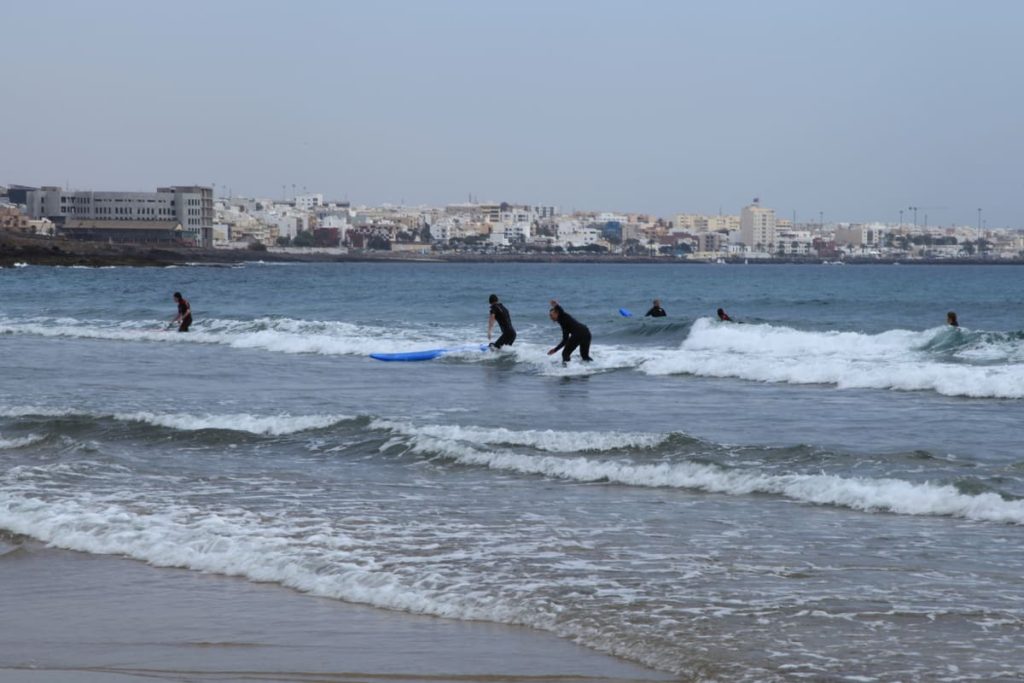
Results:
[184, 316]
[574, 334]
[504, 319]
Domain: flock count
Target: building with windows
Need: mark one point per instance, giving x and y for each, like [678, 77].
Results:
[181, 214]
[693, 222]
[308, 202]
[859, 235]
[757, 227]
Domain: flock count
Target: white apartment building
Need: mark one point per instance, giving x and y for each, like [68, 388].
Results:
[507, 233]
[190, 206]
[793, 242]
[572, 234]
[308, 202]
[757, 226]
[445, 228]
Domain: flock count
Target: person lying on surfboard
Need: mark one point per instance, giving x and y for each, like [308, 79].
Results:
[574, 334]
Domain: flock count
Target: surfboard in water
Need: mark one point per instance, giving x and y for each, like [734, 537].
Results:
[428, 354]
[625, 313]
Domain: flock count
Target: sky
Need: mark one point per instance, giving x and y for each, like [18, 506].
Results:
[824, 109]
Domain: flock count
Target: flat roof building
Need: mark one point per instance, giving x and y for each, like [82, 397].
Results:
[181, 212]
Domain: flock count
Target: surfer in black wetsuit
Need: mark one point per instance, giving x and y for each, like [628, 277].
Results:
[723, 316]
[951, 319]
[184, 316]
[656, 310]
[500, 314]
[574, 334]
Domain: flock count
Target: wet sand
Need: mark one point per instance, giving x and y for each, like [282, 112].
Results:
[83, 618]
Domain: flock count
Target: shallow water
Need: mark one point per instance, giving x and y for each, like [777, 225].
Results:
[831, 489]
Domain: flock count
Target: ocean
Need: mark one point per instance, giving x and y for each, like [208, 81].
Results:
[829, 489]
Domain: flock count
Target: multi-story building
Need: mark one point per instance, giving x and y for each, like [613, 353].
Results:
[693, 222]
[308, 202]
[179, 213]
[711, 242]
[757, 226]
[859, 235]
[793, 243]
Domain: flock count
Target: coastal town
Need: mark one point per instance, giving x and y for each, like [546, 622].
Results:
[195, 216]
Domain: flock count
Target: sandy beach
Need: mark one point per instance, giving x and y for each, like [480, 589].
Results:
[87, 618]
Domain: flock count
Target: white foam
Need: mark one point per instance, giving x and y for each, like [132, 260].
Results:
[272, 425]
[890, 360]
[869, 495]
[41, 411]
[280, 335]
[20, 441]
[236, 543]
[266, 425]
[606, 358]
[993, 367]
[545, 440]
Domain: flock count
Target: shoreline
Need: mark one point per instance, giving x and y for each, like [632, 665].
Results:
[82, 618]
[47, 251]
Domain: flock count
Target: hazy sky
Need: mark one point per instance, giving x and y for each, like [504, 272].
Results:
[853, 108]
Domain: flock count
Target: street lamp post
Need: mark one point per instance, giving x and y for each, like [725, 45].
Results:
[914, 209]
[901, 219]
[979, 224]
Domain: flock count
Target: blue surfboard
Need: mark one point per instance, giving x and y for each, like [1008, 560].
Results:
[624, 312]
[428, 354]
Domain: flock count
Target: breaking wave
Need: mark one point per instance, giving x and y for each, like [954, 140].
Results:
[945, 361]
[858, 493]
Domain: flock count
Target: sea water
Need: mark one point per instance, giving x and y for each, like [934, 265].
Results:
[831, 488]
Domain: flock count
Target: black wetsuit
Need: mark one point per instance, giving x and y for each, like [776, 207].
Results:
[504, 318]
[185, 311]
[574, 334]
[656, 312]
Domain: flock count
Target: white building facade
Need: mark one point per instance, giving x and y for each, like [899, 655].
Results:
[757, 227]
[190, 206]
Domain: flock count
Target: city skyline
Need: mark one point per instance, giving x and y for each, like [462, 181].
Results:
[851, 112]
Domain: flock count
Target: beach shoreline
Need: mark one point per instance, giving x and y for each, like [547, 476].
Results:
[78, 617]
